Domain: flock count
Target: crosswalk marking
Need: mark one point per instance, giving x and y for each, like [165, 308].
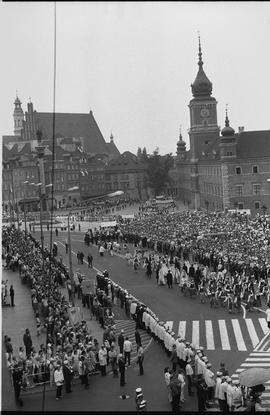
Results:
[129, 331]
[263, 324]
[224, 335]
[196, 333]
[231, 334]
[254, 359]
[252, 332]
[182, 329]
[209, 335]
[238, 335]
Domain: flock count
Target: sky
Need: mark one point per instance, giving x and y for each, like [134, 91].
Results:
[132, 64]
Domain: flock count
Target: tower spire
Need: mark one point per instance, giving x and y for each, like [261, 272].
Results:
[180, 132]
[227, 123]
[200, 62]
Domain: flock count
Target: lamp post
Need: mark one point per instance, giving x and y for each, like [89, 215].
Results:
[70, 253]
[24, 212]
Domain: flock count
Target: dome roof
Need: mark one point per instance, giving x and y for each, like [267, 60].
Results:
[227, 131]
[201, 86]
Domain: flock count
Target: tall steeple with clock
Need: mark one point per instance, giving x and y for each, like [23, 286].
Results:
[203, 113]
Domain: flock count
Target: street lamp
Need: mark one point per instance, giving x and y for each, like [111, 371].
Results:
[25, 183]
[69, 251]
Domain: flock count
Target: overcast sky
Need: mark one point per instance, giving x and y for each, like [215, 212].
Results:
[132, 64]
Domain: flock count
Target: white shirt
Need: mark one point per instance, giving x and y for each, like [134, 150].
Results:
[267, 314]
[127, 346]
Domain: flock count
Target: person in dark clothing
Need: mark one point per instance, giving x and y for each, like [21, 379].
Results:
[120, 341]
[140, 359]
[138, 339]
[175, 387]
[174, 358]
[12, 293]
[122, 368]
[27, 340]
[56, 232]
[17, 383]
[81, 257]
[90, 260]
[66, 245]
[169, 279]
[68, 376]
[202, 392]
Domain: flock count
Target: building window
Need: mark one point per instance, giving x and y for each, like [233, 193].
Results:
[257, 205]
[256, 189]
[229, 153]
[239, 190]
[240, 206]
[238, 170]
[255, 169]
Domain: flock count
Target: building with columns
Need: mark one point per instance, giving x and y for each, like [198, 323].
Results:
[223, 169]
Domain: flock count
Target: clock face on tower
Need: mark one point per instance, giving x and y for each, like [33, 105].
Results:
[205, 112]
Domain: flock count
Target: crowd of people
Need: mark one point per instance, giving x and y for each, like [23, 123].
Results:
[218, 255]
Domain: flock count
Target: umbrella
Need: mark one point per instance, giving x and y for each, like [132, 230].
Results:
[254, 376]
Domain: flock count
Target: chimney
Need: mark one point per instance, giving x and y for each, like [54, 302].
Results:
[241, 129]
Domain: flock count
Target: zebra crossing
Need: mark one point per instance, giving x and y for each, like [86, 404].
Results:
[257, 359]
[129, 331]
[230, 334]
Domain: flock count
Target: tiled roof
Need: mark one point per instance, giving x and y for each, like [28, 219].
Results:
[113, 150]
[253, 144]
[126, 161]
[74, 125]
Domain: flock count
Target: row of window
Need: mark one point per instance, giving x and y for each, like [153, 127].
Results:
[256, 189]
[211, 171]
[212, 189]
[88, 187]
[257, 205]
[255, 169]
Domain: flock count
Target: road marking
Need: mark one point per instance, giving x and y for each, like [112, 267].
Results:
[252, 332]
[195, 333]
[209, 335]
[263, 324]
[238, 335]
[244, 311]
[224, 335]
[182, 329]
[258, 359]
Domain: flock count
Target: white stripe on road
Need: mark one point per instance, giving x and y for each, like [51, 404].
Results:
[224, 335]
[195, 333]
[182, 329]
[262, 359]
[238, 335]
[257, 365]
[263, 324]
[252, 332]
[209, 335]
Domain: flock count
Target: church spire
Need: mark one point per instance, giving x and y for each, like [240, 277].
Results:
[227, 131]
[201, 87]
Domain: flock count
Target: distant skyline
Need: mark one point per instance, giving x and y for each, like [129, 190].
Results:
[132, 64]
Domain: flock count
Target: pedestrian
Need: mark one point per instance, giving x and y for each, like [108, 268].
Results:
[81, 257]
[90, 260]
[17, 383]
[56, 232]
[174, 358]
[267, 312]
[169, 279]
[27, 340]
[58, 379]
[175, 387]
[167, 377]
[120, 341]
[140, 401]
[38, 323]
[113, 360]
[102, 357]
[12, 293]
[138, 339]
[79, 227]
[66, 246]
[127, 350]
[140, 359]
[201, 394]
[68, 375]
[122, 368]
[189, 373]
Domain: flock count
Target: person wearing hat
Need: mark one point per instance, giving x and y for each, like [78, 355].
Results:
[140, 401]
[237, 397]
[122, 368]
[201, 393]
[229, 396]
[222, 395]
[174, 358]
[217, 386]
[209, 378]
[68, 375]
[189, 373]
[175, 386]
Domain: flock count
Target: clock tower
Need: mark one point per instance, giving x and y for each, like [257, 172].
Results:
[203, 113]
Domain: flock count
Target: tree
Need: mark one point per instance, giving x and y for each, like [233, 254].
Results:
[157, 172]
[139, 153]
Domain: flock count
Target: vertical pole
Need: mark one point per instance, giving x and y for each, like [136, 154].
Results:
[70, 262]
[41, 228]
[24, 212]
